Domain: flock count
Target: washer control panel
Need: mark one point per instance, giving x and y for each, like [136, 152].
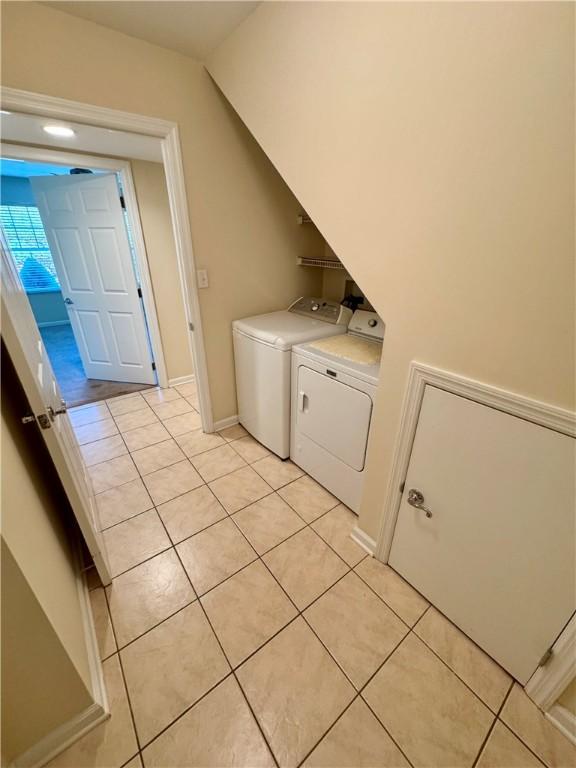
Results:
[322, 309]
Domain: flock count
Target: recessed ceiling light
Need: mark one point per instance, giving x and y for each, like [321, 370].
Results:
[13, 160]
[59, 130]
[5, 112]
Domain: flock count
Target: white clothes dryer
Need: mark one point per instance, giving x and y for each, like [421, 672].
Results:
[334, 384]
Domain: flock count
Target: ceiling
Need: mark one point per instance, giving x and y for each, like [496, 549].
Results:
[25, 169]
[189, 27]
[27, 129]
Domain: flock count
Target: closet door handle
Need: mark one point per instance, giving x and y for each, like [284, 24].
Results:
[416, 499]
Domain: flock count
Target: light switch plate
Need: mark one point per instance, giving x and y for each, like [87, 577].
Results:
[202, 276]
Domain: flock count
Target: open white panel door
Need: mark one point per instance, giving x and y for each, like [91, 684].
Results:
[30, 359]
[491, 542]
[85, 228]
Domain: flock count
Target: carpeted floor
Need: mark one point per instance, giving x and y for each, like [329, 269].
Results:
[75, 387]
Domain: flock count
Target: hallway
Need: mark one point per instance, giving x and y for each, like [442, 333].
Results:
[66, 363]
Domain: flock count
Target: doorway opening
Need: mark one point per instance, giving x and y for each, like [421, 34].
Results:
[68, 234]
[131, 145]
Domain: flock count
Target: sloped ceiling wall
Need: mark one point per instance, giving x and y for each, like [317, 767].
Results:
[432, 144]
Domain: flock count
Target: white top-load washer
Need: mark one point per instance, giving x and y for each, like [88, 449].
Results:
[262, 355]
[334, 384]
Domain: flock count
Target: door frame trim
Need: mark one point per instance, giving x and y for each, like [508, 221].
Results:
[64, 109]
[550, 681]
[124, 169]
[419, 376]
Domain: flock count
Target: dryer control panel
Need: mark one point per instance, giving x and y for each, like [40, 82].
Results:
[322, 309]
[367, 324]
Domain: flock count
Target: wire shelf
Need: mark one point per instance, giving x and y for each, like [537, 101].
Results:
[325, 263]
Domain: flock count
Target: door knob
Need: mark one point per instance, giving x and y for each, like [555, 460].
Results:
[416, 499]
[68, 301]
[53, 412]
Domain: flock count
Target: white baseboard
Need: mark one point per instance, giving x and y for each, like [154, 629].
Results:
[95, 664]
[564, 720]
[181, 380]
[225, 423]
[53, 323]
[363, 540]
[61, 738]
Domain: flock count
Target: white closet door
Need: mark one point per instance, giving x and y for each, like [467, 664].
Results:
[497, 556]
[85, 228]
[29, 356]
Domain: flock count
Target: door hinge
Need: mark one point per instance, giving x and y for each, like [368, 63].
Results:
[140, 292]
[402, 486]
[122, 202]
[153, 366]
[191, 326]
[546, 658]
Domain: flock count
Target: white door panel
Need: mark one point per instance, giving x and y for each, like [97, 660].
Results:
[85, 227]
[20, 334]
[334, 415]
[497, 557]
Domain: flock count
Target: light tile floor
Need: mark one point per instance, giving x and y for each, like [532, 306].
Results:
[244, 627]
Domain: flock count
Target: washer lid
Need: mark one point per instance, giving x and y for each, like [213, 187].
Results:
[284, 329]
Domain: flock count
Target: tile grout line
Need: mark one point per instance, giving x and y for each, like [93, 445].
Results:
[215, 635]
[184, 454]
[351, 569]
[140, 748]
[224, 654]
[183, 713]
[155, 506]
[512, 731]
[411, 630]
[258, 557]
[520, 739]
[199, 597]
[184, 457]
[358, 695]
[300, 613]
[133, 719]
[492, 725]
[228, 514]
[429, 647]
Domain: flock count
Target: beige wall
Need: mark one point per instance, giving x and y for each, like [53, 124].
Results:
[244, 219]
[433, 145]
[33, 527]
[45, 669]
[41, 688]
[154, 207]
